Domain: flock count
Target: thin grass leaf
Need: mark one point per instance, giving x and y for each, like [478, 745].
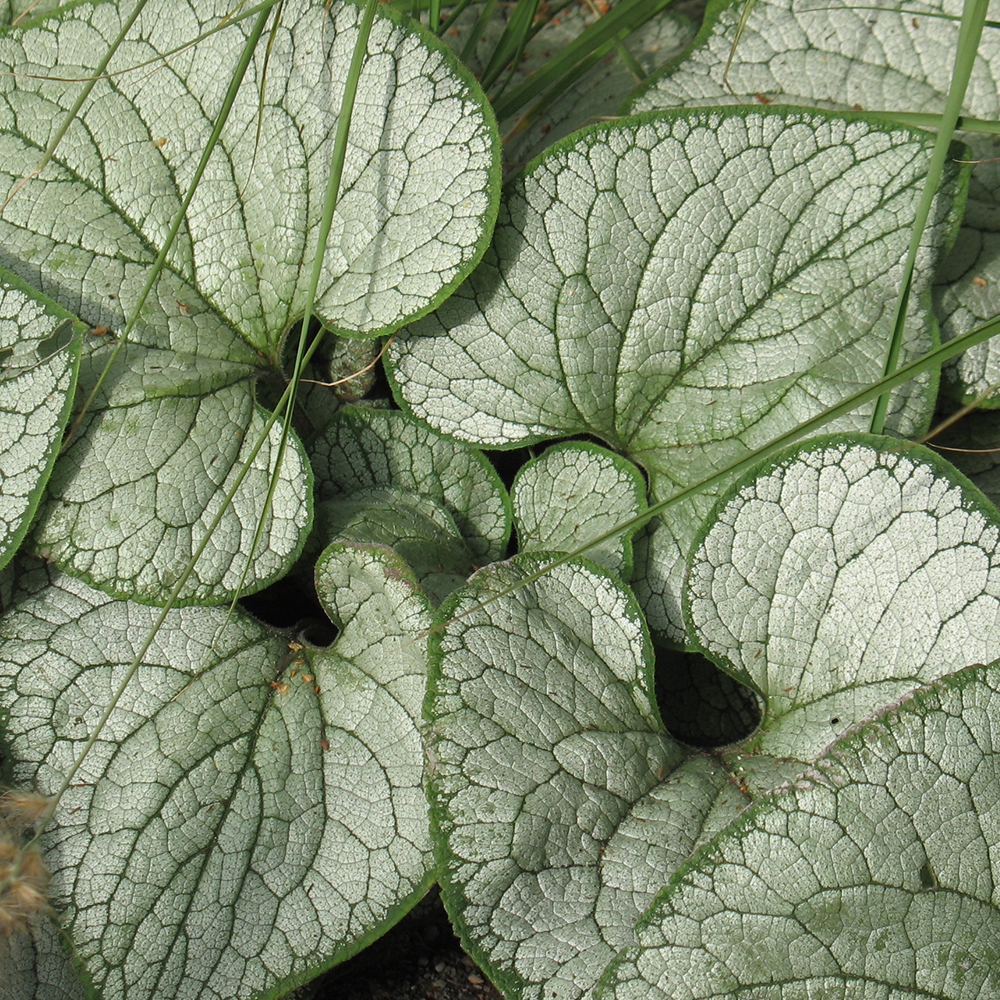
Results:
[628, 15]
[477, 31]
[508, 50]
[180, 216]
[973, 19]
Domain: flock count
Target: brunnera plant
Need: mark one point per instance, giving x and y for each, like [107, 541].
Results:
[226, 809]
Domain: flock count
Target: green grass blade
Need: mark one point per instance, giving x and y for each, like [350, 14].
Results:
[469, 49]
[627, 15]
[939, 14]
[973, 18]
[158, 264]
[238, 75]
[223, 24]
[164, 611]
[929, 362]
[744, 16]
[286, 405]
[564, 84]
[455, 14]
[511, 44]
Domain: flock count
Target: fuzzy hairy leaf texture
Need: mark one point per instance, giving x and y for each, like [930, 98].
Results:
[833, 580]
[684, 286]
[253, 811]
[418, 200]
[871, 59]
[39, 359]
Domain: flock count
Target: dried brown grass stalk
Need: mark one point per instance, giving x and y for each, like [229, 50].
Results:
[23, 875]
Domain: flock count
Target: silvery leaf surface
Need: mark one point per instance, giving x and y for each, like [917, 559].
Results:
[835, 581]
[417, 528]
[253, 810]
[684, 286]
[872, 875]
[147, 472]
[849, 572]
[418, 199]
[870, 59]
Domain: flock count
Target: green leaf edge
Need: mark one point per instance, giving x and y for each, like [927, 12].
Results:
[10, 544]
[706, 858]
[384, 554]
[973, 499]
[960, 152]
[473, 91]
[508, 983]
[394, 914]
[713, 10]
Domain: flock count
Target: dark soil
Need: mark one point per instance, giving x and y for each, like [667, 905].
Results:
[419, 958]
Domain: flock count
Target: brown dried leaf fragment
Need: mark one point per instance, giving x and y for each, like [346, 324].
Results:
[23, 875]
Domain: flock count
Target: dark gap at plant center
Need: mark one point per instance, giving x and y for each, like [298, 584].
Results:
[287, 604]
[419, 957]
[700, 704]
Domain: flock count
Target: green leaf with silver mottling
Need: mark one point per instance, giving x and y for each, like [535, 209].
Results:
[575, 491]
[840, 577]
[873, 875]
[832, 580]
[416, 527]
[39, 358]
[417, 197]
[253, 810]
[872, 59]
[417, 202]
[684, 286]
[362, 448]
[141, 481]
